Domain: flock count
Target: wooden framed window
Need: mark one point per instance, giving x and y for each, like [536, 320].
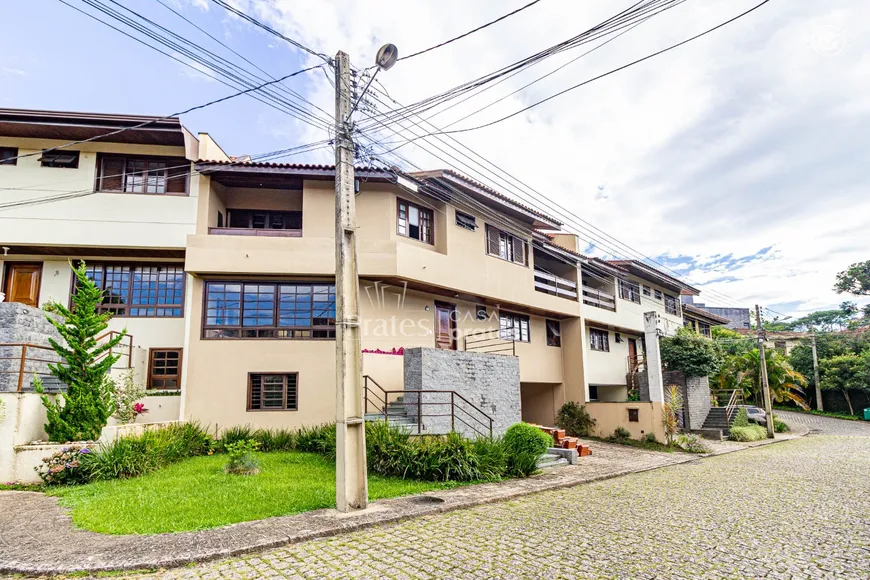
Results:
[273, 391]
[147, 175]
[414, 221]
[658, 294]
[704, 329]
[60, 158]
[671, 305]
[513, 327]
[629, 291]
[264, 220]
[463, 220]
[506, 246]
[647, 291]
[291, 310]
[599, 340]
[8, 155]
[139, 290]
[633, 415]
[554, 333]
[164, 368]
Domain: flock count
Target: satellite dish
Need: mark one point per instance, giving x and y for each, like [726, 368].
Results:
[387, 56]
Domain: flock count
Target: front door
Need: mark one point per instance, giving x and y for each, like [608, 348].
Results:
[445, 326]
[22, 283]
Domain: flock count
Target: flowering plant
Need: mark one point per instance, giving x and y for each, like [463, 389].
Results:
[67, 466]
[139, 409]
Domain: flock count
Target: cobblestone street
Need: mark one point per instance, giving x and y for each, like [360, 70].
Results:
[793, 510]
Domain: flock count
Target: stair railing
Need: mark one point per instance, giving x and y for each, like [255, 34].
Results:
[733, 402]
[461, 409]
[124, 348]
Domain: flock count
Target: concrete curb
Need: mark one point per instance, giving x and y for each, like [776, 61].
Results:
[74, 551]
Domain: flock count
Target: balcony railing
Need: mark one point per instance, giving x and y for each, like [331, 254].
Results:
[490, 342]
[598, 298]
[552, 284]
[260, 232]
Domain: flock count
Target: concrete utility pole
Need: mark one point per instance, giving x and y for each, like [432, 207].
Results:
[819, 405]
[765, 386]
[351, 482]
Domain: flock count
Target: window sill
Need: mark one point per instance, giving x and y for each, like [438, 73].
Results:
[269, 410]
[508, 261]
[421, 242]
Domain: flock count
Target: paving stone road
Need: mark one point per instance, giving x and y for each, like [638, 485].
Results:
[797, 509]
[826, 425]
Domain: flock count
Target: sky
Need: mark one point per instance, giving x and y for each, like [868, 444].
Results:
[737, 161]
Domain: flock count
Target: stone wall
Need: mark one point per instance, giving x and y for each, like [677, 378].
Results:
[696, 397]
[491, 382]
[20, 323]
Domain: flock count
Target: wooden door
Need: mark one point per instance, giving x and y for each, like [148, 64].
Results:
[22, 283]
[445, 326]
[632, 353]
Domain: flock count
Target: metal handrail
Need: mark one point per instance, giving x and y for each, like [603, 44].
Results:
[497, 342]
[23, 359]
[127, 344]
[382, 397]
[733, 401]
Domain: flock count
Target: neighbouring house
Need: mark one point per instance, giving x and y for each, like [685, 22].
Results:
[782, 341]
[738, 318]
[701, 321]
[222, 270]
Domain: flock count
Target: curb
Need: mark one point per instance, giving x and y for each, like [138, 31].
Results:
[396, 510]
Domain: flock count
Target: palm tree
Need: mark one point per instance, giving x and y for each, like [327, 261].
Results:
[743, 372]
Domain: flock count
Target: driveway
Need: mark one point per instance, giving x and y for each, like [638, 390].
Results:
[796, 509]
[826, 425]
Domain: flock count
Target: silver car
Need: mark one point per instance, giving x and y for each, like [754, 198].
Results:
[756, 415]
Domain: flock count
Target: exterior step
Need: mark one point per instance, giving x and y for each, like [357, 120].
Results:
[550, 460]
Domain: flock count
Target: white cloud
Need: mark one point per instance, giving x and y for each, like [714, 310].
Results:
[753, 136]
[13, 71]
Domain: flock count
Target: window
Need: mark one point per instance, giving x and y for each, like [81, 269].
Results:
[273, 392]
[629, 291]
[506, 246]
[513, 327]
[265, 220]
[671, 305]
[554, 333]
[633, 415]
[704, 329]
[414, 221]
[164, 368]
[270, 310]
[658, 294]
[599, 340]
[150, 175]
[593, 392]
[647, 291]
[689, 324]
[481, 312]
[60, 158]
[8, 156]
[139, 289]
[463, 220]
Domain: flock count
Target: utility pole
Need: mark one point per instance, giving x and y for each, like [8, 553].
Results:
[819, 405]
[765, 386]
[351, 482]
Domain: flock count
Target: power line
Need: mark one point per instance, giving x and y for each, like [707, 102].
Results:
[479, 28]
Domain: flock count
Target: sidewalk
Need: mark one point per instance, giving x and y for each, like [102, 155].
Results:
[38, 536]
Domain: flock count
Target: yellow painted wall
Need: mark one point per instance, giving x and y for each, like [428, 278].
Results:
[609, 416]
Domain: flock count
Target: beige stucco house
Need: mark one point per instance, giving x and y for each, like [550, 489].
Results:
[222, 271]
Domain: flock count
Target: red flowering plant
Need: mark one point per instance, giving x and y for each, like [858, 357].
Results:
[66, 467]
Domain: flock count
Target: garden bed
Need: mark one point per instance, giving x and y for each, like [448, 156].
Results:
[196, 494]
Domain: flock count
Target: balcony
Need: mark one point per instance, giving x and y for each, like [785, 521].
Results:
[599, 298]
[551, 284]
[269, 233]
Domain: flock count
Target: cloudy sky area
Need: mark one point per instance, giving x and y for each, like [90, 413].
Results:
[739, 160]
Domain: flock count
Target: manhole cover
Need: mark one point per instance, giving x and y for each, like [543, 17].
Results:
[427, 499]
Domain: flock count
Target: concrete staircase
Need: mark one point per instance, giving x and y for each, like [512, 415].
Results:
[397, 416]
[551, 460]
[717, 420]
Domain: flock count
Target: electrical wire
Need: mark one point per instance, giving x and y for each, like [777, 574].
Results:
[470, 32]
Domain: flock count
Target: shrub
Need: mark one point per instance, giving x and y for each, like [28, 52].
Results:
[82, 411]
[388, 449]
[234, 434]
[741, 419]
[670, 415]
[524, 445]
[447, 458]
[749, 433]
[241, 458]
[650, 438]
[779, 425]
[690, 353]
[574, 419]
[319, 439]
[692, 443]
[493, 457]
[126, 393]
[621, 433]
[135, 456]
[68, 466]
[275, 439]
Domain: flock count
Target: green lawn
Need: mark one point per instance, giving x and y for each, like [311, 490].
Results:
[196, 494]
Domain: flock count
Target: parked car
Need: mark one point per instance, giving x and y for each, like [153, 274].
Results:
[756, 415]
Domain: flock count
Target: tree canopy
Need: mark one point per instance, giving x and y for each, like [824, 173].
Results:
[690, 353]
[854, 280]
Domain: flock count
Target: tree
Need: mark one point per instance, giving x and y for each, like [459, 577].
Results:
[730, 342]
[690, 353]
[854, 280]
[81, 412]
[744, 372]
[844, 372]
